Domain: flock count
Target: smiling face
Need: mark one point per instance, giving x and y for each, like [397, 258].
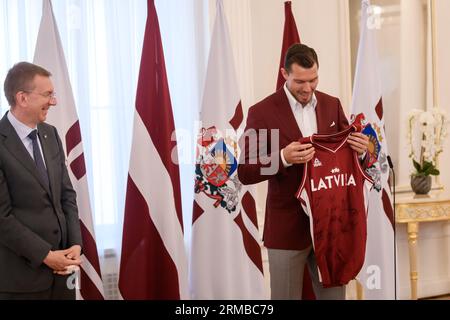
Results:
[32, 105]
[301, 82]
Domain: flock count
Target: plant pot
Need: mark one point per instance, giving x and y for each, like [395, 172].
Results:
[421, 184]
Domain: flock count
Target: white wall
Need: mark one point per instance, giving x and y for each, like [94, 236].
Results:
[443, 71]
[434, 237]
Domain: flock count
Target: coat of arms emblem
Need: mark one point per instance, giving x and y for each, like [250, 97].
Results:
[216, 168]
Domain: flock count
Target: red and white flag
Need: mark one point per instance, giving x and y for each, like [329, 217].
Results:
[50, 55]
[290, 36]
[377, 275]
[225, 249]
[154, 262]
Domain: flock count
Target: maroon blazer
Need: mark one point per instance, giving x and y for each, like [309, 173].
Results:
[286, 225]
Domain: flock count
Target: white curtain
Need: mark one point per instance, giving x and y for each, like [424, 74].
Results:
[102, 41]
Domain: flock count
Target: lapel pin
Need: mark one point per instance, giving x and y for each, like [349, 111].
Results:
[45, 136]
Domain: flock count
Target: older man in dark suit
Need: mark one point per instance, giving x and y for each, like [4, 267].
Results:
[276, 124]
[40, 238]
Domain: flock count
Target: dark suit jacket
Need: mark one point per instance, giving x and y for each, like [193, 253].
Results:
[33, 218]
[286, 225]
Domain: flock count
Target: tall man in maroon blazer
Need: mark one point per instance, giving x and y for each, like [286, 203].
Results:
[277, 123]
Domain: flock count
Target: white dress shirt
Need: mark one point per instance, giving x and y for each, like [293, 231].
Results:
[305, 116]
[23, 131]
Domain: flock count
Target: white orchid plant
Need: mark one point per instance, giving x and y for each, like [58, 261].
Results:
[426, 132]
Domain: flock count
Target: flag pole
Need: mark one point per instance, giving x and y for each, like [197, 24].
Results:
[434, 70]
[391, 166]
[434, 53]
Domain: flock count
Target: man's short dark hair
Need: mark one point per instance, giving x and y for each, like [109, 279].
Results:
[20, 78]
[302, 55]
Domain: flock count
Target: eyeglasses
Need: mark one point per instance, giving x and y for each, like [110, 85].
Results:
[48, 95]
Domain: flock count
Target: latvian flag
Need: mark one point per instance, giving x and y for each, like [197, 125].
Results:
[154, 262]
[225, 250]
[377, 275]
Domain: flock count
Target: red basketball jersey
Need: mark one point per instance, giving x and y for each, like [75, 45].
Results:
[333, 194]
